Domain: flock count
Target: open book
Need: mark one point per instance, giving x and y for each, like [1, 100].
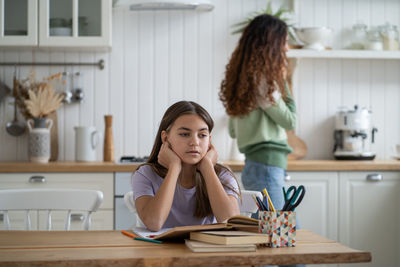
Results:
[237, 222]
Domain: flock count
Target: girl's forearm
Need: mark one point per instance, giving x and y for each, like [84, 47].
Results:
[155, 212]
[222, 205]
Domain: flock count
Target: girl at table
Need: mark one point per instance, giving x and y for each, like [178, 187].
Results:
[260, 106]
[181, 182]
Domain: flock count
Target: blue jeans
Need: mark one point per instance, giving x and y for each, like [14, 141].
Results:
[257, 176]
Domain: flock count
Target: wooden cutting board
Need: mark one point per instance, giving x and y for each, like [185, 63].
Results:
[299, 146]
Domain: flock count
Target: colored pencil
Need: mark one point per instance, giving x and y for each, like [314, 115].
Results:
[255, 200]
[148, 240]
[128, 234]
[269, 200]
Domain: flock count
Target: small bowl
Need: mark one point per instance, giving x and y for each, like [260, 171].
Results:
[60, 31]
[313, 37]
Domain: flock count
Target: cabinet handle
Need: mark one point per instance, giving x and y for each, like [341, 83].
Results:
[374, 177]
[287, 178]
[77, 217]
[37, 179]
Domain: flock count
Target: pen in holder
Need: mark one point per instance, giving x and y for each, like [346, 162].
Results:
[280, 226]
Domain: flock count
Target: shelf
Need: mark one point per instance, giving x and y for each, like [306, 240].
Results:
[356, 54]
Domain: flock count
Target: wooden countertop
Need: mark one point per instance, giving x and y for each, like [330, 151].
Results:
[293, 165]
[111, 248]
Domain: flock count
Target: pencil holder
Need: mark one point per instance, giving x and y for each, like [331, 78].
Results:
[280, 226]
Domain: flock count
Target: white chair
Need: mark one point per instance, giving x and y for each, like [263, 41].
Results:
[50, 200]
[247, 205]
[130, 203]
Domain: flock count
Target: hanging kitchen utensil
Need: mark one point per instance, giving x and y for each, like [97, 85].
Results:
[4, 90]
[15, 127]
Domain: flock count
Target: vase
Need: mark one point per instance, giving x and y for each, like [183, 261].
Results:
[39, 139]
[108, 154]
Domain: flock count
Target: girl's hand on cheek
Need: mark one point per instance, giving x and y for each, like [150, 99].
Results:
[167, 157]
[210, 159]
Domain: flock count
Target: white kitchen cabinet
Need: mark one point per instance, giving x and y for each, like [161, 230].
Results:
[370, 215]
[18, 22]
[75, 23]
[56, 23]
[101, 220]
[319, 210]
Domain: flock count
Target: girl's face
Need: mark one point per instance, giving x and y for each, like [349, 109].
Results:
[190, 138]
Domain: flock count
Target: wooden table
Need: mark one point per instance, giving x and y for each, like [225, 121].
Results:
[111, 248]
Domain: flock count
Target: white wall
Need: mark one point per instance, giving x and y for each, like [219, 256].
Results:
[164, 56]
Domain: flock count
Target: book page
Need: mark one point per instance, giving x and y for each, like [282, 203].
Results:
[146, 233]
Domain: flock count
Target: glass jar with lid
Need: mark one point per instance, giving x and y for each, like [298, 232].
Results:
[374, 40]
[390, 37]
[359, 35]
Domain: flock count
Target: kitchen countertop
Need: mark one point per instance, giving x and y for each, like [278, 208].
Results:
[293, 165]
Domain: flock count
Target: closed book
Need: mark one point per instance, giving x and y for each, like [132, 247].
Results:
[197, 246]
[230, 237]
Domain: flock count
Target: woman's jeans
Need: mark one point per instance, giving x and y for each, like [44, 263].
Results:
[257, 176]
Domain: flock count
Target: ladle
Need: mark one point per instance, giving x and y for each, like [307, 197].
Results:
[15, 127]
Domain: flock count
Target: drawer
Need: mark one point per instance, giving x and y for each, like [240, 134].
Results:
[101, 220]
[96, 181]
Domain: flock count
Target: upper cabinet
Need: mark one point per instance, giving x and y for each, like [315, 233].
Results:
[18, 22]
[56, 23]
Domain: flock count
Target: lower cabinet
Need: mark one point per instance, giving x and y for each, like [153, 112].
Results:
[369, 207]
[103, 219]
[358, 209]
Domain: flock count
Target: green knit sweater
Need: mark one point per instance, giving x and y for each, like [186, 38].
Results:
[261, 134]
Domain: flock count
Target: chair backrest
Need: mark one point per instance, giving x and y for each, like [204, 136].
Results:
[247, 206]
[50, 200]
[130, 203]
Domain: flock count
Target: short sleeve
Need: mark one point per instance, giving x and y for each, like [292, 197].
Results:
[141, 182]
[231, 185]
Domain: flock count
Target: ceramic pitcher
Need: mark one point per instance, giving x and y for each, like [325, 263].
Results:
[86, 141]
[39, 139]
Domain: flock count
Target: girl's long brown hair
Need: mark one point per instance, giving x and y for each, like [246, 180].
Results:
[202, 206]
[259, 55]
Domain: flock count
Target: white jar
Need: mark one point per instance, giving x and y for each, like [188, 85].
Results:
[39, 139]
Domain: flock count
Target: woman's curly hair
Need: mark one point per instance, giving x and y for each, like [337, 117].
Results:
[259, 55]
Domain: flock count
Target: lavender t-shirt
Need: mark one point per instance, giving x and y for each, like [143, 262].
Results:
[146, 182]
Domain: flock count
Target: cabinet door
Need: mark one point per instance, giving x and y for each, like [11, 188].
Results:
[369, 215]
[319, 209]
[75, 23]
[18, 22]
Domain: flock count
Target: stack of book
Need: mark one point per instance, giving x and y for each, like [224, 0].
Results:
[217, 241]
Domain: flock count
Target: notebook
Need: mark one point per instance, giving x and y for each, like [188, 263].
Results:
[197, 246]
[230, 237]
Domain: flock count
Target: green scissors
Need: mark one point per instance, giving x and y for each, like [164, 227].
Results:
[293, 197]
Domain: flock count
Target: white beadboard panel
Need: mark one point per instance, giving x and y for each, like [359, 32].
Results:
[131, 83]
[116, 86]
[160, 57]
[146, 82]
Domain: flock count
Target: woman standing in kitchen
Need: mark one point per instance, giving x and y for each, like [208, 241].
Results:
[181, 182]
[260, 106]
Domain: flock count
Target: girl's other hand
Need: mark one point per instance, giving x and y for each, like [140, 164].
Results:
[167, 157]
[210, 159]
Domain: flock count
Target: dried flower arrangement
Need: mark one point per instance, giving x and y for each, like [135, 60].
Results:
[38, 99]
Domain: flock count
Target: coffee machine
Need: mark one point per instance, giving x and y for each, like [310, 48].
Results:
[354, 135]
